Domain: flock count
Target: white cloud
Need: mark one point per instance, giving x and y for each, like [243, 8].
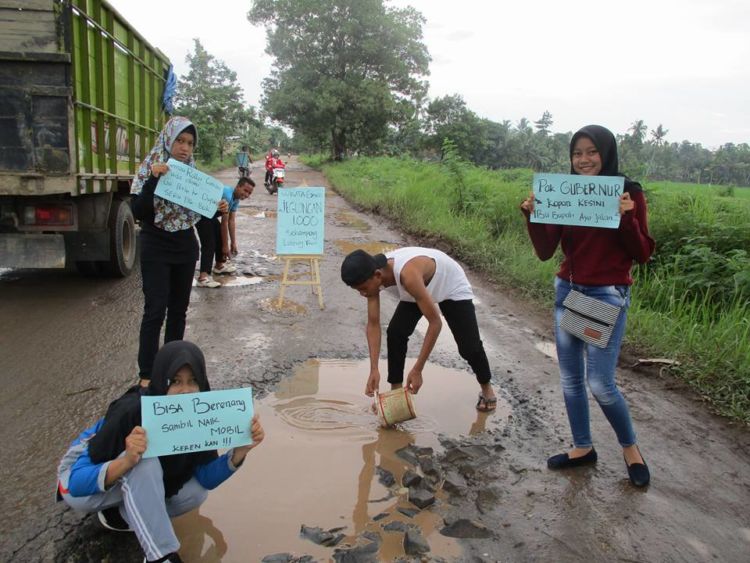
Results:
[679, 63]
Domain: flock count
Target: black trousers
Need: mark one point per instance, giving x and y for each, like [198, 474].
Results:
[166, 288]
[209, 233]
[462, 321]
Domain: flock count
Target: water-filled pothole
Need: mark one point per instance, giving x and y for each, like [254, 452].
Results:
[319, 467]
[347, 246]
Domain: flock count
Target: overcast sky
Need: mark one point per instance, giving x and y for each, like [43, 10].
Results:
[684, 64]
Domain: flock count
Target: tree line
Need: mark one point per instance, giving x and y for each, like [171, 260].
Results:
[350, 77]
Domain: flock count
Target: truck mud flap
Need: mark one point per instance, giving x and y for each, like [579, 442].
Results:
[32, 251]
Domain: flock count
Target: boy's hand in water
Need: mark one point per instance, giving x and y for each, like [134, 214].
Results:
[414, 381]
[135, 445]
[159, 169]
[373, 383]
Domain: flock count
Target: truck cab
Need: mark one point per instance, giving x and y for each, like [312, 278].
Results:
[81, 102]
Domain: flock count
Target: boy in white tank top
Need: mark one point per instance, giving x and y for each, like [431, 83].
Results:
[427, 282]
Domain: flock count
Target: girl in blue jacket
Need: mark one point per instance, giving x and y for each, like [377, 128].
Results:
[103, 470]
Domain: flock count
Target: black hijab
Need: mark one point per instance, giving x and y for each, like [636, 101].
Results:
[124, 414]
[606, 144]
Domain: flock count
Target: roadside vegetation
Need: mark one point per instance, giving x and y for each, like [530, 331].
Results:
[691, 303]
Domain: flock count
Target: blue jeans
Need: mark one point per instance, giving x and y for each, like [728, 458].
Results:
[580, 361]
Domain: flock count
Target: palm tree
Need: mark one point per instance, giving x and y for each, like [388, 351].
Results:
[658, 134]
[639, 130]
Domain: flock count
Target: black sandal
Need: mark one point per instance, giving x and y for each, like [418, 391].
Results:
[486, 404]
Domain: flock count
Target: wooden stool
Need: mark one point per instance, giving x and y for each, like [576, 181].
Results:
[314, 273]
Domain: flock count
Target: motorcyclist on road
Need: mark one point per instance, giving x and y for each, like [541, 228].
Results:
[269, 167]
[273, 160]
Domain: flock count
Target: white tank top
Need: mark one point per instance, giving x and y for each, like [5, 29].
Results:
[449, 281]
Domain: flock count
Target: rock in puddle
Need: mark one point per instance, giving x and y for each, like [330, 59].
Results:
[396, 526]
[408, 512]
[385, 477]
[372, 536]
[429, 467]
[410, 478]
[421, 497]
[408, 454]
[328, 538]
[414, 543]
[287, 558]
[367, 553]
[454, 483]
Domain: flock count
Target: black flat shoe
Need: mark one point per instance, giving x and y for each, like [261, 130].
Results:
[564, 461]
[638, 473]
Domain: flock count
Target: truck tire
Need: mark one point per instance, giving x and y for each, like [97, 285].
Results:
[122, 243]
[89, 268]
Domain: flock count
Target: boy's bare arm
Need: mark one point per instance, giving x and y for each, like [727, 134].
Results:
[412, 280]
[373, 343]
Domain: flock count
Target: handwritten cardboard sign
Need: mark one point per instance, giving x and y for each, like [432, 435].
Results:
[178, 424]
[571, 199]
[190, 188]
[299, 229]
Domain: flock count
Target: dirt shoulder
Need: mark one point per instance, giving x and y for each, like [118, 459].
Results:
[694, 510]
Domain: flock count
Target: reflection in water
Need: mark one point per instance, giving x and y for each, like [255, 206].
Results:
[384, 448]
[193, 529]
[319, 463]
[479, 424]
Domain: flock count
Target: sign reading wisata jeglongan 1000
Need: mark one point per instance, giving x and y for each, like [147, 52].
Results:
[300, 221]
[572, 199]
[193, 422]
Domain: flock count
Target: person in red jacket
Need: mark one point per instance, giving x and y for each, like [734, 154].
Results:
[597, 262]
[273, 160]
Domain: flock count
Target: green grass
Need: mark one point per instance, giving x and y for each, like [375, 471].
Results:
[691, 303]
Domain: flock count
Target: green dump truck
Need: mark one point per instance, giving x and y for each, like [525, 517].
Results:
[81, 102]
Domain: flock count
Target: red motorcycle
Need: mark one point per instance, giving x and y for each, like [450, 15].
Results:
[277, 177]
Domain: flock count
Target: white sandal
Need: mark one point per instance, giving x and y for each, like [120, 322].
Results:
[207, 282]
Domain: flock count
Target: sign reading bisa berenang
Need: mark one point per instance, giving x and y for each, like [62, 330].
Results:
[193, 422]
[571, 199]
[300, 221]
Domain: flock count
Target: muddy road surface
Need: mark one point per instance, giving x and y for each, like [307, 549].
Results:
[328, 484]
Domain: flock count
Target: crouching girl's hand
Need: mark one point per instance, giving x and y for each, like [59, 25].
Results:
[257, 434]
[135, 445]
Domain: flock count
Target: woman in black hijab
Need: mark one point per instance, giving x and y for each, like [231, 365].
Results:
[103, 470]
[597, 262]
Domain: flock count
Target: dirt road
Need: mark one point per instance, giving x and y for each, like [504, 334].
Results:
[69, 346]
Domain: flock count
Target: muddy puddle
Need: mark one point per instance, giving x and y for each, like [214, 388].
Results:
[232, 281]
[380, 247]
[286, 307]
[258, 212]
[349, 220]
[321, 465]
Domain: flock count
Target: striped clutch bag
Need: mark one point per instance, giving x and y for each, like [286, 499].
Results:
[589, 319]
